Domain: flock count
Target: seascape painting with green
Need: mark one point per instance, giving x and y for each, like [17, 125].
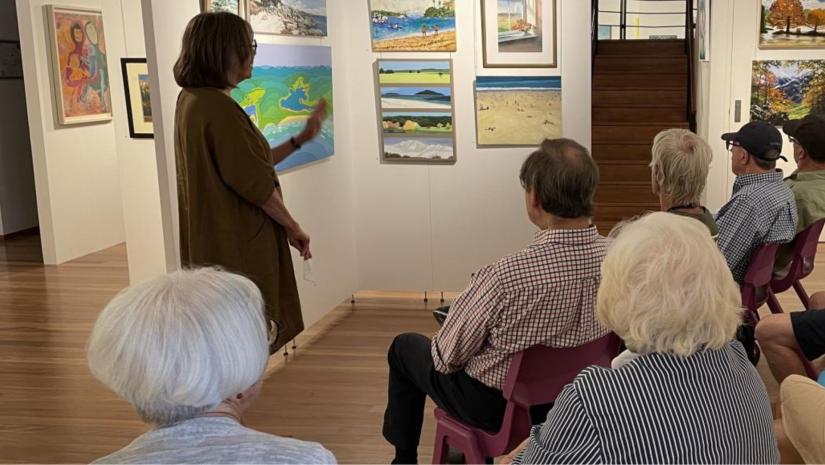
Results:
[287, 82]
[414, 72]
[413, 25]
[786, 90]
[792, 24]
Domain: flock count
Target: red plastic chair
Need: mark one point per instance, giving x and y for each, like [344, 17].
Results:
[756, 287]
[535, 377]
[804, 253]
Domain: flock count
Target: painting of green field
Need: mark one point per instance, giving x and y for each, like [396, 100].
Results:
[417, 123]
[414, 72]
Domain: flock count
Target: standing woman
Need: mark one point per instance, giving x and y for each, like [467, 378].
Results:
[232, 213]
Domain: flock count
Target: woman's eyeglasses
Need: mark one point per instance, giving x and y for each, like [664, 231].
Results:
[274, 331]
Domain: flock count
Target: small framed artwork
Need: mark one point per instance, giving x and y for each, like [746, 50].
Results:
[230, 6]
[792, 24]
[783, 90]
[11, 62]
[517, 111]
[415, 111]
[138, 97]
[79, 65]
[518, 33]
[703, 29]
[413, 25]
[288, 17]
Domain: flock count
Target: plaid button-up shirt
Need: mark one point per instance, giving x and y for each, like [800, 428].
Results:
[545, 294]
[762, 209]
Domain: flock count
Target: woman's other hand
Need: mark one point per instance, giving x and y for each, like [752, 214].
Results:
[314, 123]
[300, 240]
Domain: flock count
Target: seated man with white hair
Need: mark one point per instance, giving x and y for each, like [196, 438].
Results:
[688, 393]
[188, 350]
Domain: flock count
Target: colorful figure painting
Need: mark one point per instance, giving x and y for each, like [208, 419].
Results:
[517, 111]
[415, 104]
[80, 76]
[413, 25]
[786, 90]
[792, 24]
[287, 83]
[288, 17]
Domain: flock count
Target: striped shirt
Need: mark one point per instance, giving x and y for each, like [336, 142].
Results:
[710, 407]
[545, 294]
[761, 210]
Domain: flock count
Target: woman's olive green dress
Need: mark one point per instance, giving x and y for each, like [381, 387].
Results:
[225, 174]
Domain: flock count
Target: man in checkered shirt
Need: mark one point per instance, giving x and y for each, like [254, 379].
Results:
[762, 208]
[545, 294]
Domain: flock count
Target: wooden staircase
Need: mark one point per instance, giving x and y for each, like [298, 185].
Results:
[640, 87]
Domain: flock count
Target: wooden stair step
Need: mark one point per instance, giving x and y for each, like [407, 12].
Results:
[639, 115]
[648, 98]
[625, 152]
[639, 81]
[615, 172]
[623, 212]
[619, 64]
[613, 192]
[641, 47]
[619, 134]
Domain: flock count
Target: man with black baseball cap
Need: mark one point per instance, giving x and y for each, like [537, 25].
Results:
[762, 208]
[780, 334]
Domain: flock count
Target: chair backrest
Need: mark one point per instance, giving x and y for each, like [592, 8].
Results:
[756, 285]
[538, 374]
[804, 253]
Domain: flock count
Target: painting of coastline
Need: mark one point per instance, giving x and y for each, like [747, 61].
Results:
[288, 17]
[786, 90]
[424, 123]
[287, 82]
[231, 6]
[431, 150]
[413, 25]
[517, 111]
[424, 98]
[792, 24]
[419, 72]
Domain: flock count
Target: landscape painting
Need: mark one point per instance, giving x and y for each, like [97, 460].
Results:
[423, 98]
[417, 149]
[138, 97]
[786, 90]
[518, 33]
[792, 24]
[421, 123]
[288, 17]
[230, 6]
[422, 72]
[287, 83]
[413, 25]
[79, 63]
[517, 111]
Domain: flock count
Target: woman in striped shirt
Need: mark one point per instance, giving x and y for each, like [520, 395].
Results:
[685, 392]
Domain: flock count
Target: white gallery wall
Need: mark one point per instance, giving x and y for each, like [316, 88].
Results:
[18, 205]
[77, 178]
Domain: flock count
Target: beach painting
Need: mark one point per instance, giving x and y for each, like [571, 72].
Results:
[418, 149]
[518, 33]
[787, 90]
[413, 25]
[421, 123]
[287, 83]
[421, 98]
[288, 17]
[792, 24]
[418, 72]
[517, 111]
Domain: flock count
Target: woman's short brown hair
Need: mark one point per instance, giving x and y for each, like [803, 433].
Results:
[215, 46]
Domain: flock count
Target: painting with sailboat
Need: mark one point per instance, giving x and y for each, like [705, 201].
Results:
[413, 25]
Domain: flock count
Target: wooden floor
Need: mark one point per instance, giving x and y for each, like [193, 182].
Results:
[332, 390]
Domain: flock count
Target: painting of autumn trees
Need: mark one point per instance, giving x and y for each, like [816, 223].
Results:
[786, 90]
[792, 24]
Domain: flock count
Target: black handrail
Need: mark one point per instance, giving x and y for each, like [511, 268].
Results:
[690, 28]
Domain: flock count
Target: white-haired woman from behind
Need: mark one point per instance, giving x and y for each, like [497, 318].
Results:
[689, 393]
[188, 350]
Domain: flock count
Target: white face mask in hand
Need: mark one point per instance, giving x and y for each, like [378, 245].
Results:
[308, 276]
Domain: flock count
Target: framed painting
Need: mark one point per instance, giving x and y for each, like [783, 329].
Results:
[288, 17]
[518, 33]
[792, 24]
[79, 65]
[413, 25]
[517, 111]
[703, 29]
[138, 97]
[415, 111]
[786, 90]
[230, 6]
[11, 62]
[287, 83]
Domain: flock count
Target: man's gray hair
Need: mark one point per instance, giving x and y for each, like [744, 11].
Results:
[679, 165]
[178, 345]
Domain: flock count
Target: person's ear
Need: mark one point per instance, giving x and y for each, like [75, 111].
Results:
[533, 199]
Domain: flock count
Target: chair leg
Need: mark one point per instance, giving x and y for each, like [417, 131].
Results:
[440, 448]
[803, 295]
[773, 304]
